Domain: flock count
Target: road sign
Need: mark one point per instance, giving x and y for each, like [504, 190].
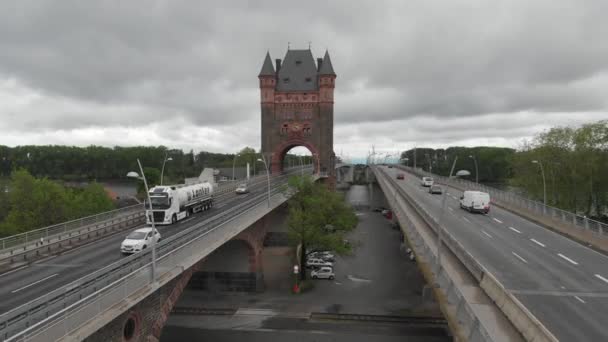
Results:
[296, 269]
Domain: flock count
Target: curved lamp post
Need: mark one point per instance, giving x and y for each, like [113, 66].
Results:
[460, 173]
[476, 169]
[134, 174]
[267, 176]
[542, 171]
[162, 171]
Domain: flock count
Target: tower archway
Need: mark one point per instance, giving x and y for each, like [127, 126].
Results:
[297, 106]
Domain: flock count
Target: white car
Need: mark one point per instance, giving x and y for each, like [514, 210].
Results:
[139, 240]
[242, 189]
[427, 181]
[323, 273]
[314, 262]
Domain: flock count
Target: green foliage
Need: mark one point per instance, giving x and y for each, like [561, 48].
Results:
[575, 161]
[152, 177]
[34, 203]
[318, 218]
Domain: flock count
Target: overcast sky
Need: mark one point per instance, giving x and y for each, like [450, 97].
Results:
[410, 73]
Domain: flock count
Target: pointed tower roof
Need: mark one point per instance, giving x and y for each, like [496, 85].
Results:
[267, 67]
[326, 67]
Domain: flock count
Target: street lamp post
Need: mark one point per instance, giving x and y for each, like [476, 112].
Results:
[301, 165]
[296, 270]
[476, 169]
[542, 171]
[267, 176]
[134, 174]
[233, 163]
[162, 171]
[442, 216]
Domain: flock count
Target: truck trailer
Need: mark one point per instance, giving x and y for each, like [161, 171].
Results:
[175, 202]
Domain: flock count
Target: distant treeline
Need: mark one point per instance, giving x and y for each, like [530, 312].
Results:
[494, 163]
[574, 161]
[96, 162]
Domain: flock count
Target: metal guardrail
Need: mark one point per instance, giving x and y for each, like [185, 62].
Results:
[507, 197]
[524, 321]
[46, 318]
[33, 236]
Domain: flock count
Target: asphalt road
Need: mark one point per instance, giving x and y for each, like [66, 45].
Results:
[23, 284]
[563, 283]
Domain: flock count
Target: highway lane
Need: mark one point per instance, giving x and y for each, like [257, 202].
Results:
[24, 284]
[559, 280]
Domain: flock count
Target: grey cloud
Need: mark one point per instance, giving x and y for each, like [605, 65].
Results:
[125, 64]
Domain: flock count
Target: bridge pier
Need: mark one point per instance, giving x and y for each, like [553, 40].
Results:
[145, 320]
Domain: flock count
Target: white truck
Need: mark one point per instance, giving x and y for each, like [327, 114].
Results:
[475, 201]
[171, 203]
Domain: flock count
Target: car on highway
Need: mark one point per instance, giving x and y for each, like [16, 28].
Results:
[427, 181]
[242, 189]
[475, 201]
[400, 176]
[323, 273]
[318, 262]
[139, 239]
[435, 189]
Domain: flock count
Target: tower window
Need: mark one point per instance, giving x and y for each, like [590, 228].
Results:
[298, 62]
[308, 79]
[286, 80]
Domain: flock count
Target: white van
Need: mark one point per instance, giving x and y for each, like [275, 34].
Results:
[475, 201]
[427, 181]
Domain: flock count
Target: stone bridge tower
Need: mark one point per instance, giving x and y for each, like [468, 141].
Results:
[297, 100]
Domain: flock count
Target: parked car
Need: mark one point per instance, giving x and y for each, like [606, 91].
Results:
[400, 176]
[475, 201]
[379, 209]
[427, 181]
[323, 273]
[390, 166]
[139, 240]
[325, 255]
[435, 189]
[242, 189]
[318, 262]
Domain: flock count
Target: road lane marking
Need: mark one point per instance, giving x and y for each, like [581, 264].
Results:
[490, 236]
[515, 230]
[568, 259]
[602, 278]
[450, 208]
[538, 243]
[454, 197]
[497, 220]
[34, 283]
[580, 300]
[466, 219]
[12, 271]
[520, 258]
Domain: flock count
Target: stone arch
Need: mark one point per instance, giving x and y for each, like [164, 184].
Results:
[279, 154]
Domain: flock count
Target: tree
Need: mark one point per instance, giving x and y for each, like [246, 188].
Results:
[318, 218]
[152, 177]
[90, 201]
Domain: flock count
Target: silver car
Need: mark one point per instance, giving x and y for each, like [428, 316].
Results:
[323, 273]
[242, 189]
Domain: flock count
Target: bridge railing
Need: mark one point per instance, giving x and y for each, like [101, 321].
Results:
[58, 312]
[512, 199]
[523, 320]
[42, 234]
